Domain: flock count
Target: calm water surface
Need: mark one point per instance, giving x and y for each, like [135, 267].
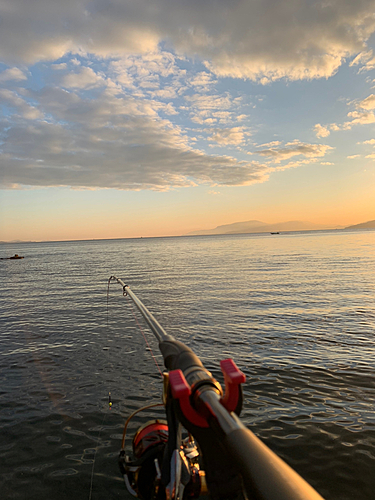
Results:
[295, 311]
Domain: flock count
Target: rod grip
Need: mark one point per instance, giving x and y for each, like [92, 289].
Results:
[178, 356]
[264, 474]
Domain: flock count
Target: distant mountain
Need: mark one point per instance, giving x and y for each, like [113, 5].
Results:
[364, 225]
[236, 227]
[256, 226]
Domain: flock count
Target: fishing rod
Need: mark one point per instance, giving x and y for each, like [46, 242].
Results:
[236, 463]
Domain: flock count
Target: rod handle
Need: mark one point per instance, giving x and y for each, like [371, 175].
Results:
[177, 356]
[265, 475]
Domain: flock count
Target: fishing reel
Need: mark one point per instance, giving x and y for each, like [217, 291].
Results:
[142, 473]
[165, 465]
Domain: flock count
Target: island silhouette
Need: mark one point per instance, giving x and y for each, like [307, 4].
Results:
[256, 226]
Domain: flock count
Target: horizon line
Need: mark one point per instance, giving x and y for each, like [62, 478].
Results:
[185, 235]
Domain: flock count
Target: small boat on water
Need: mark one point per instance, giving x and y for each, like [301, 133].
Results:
[277, 232]
[15, 257]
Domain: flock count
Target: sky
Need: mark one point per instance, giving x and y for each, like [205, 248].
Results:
[129, 118]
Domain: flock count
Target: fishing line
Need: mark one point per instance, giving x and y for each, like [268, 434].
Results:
[96, 448]
[109, 281]
[105, 414]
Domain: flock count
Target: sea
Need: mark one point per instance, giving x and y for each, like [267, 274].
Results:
[296, 312]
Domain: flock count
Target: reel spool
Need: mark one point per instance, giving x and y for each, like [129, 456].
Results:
[152, 433]
[142, 474]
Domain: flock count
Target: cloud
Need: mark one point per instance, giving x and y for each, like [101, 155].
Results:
[271, 144]
[60, 66]
[359, 118]
[294, 164]
[85, 78]
[206, 103]
[211, 108]
[224, 116]
[13, 101]
[124, 139]
[155, 74]
[370, 156]
[295, 148]
[334, 126]
[370, 141]
[12, 74]
[202, 80]
[365, 60]
[361, 58]
[368, 103]
[321, 131]
[114, 141]
[227, 136]
[129, 67]
[363, 115]
[262, 41]
[352, 157]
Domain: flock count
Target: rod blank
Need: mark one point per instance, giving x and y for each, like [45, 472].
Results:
[154, 325]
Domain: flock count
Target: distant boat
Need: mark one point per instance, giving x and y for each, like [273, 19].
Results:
[276, 233]
[15, 256]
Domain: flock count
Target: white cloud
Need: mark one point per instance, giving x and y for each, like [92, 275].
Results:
[365, 60]
[222, 115]
[203, 80]
[155, 74]
[227, 136]
[14, 101]
[12, 74]
[371, 156]
[206, 103]
[361, 58]
[271, 144]
[321, 131]
[295, 148]
[359, 118]
[352, 157]
[113, 142]
[119, 140]
[208, 109]
[294, 164]
[112, 125]
[300, 39]
[60, 66]
[362, 116]
[368, 103]
[370, 141]
[165, 93]
[85, 78]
